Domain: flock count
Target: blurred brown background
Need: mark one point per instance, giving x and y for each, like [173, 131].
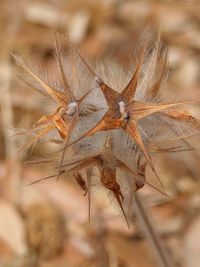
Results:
[47, 224]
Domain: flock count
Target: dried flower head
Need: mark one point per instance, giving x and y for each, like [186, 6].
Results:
[127, 112]
[68, 110]
[126, 121]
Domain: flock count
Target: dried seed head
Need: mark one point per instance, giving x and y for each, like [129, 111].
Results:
[130, 120]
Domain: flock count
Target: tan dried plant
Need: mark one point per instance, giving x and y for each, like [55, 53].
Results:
[136, 110]
[136, 122]
[126, 112]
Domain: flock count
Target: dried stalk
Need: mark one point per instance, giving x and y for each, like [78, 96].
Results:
[150, 233]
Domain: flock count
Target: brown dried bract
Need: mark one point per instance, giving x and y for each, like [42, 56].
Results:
[141, 169]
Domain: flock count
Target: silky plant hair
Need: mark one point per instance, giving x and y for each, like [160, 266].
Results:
[108, 120]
